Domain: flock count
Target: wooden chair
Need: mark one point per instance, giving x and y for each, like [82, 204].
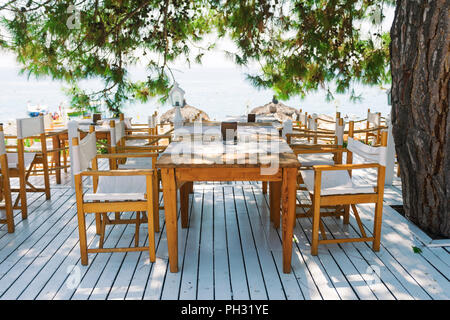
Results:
[22, 164]
[143, 134]
[146, 159]
[56, 147]
[331, 185]
[302, 120]
[321, 153]
[326, 147]
[373, 120]
[5, 188]
[115, 191]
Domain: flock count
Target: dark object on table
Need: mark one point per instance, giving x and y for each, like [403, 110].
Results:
[229, 131]
[96, 117]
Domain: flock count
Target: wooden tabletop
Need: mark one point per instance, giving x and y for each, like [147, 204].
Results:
[254, 148]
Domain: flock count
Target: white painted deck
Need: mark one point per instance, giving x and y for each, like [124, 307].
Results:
[230, 251]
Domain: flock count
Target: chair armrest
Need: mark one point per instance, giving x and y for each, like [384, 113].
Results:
[373, 129]
[138, 137]
[316, 149]
[126, 172]
[145, 147]
[128, 155]
[169, 131]
[345, 166]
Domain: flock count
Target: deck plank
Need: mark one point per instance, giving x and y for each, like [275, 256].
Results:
[274, 283]
[230, 251]
[222, 281]
[190, 264]
[300, 271]
[52, 242]
[255, 278]
[238, 276]
[205, 286]
[400, 247]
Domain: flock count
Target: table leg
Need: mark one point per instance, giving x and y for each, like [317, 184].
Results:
[170, 210]
[264, 187]
[184, 204]
[289, 193]
[275, 200]
[57, 158]
[191, 187]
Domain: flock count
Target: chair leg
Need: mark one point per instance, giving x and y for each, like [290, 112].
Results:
[138, 225]
[98, 223]
[103, 229]
[322, 230]
[150, 219]
[358, 220]
[65, 159]
[46, 177]
[23, 196]
[315, 226]
[156, 204]
[9, 213]
[83, 240]
[5, 192]
[347, 214]
[377, 226]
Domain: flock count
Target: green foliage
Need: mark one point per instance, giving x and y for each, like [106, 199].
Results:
[303, 45]
[300, 45]
[102, 40]
[101, 146]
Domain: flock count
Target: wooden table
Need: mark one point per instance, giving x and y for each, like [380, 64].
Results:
[258, 157]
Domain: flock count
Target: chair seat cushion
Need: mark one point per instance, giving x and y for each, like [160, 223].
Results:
[315, 159]
[13, 159]
[334, 183]
[137, 163]
[119, 188]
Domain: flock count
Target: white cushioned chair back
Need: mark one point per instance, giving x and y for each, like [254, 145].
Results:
[340, 134]
[48, 120]
[151, 121]
[2, 143]
[374, 118]
[112, 133]
[84, 153]
[368, 153]
[127, 122]
[120, 130]
[312, 124]
[287, 128]
[302, 118]
[29, 127]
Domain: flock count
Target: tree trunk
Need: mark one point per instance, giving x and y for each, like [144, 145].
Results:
[420, 63]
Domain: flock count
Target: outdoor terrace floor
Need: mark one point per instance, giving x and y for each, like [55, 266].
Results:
[230, 251]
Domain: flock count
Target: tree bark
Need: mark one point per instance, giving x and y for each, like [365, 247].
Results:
[420, 63]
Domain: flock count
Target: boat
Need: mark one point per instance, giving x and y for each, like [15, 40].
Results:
[36, 110]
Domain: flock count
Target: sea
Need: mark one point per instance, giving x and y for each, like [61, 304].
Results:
[219, 91]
